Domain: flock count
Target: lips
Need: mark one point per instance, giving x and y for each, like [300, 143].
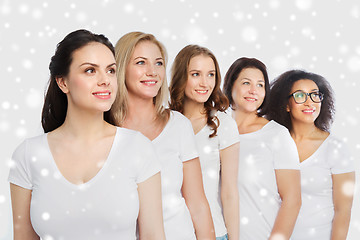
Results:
[308, 111]
[102, 94]
[202, 91]
[250, 99]
[149, 82]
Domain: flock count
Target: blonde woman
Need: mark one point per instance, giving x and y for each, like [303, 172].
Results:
[195, 92]
[141, 61]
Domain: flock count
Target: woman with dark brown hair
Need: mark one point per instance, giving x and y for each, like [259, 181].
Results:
[195, 92]
[269, 177]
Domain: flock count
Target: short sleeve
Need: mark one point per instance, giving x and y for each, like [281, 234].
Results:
[285, 153]
[339, 157]
[227, 131]
[20, 171]
[188, 148]
[146, 159]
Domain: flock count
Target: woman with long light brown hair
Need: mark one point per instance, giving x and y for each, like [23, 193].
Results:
[195, 92]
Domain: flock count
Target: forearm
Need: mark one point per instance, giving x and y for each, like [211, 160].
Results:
[285, 220]
[202, 221]
[230, 205]
[340, 225]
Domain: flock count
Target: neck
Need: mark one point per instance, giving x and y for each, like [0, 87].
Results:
[303, 130]
[140, 111]
[244, 118]
[193, 110]
[84, 124]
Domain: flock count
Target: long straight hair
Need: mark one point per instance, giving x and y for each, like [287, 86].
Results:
[124, 49]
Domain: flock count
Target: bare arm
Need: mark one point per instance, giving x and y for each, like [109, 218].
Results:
[343, 191]
[229, 189]
[150, 218]
[288, 182]
[20, 201]
[193, 192]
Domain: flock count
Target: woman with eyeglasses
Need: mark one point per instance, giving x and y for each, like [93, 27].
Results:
[269, 176]
[304, 103]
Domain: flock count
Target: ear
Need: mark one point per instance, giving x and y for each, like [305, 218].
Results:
[61, 82]
[287, 108]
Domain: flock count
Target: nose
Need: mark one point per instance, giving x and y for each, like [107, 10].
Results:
[252, 89]
[308, 101]
[103, 79]
[151, 70]
[202, 81]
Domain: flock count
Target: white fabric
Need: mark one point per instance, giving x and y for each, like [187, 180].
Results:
[261, 153]
[317, 210]
[106, 207]
[209, 153]
[175, 145]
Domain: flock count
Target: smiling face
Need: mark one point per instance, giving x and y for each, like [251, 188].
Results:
[201, 79]
[248, 91]
[308, 111]
[145, 71]
[91, 82]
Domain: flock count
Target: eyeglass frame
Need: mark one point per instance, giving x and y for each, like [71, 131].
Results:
[307, 95]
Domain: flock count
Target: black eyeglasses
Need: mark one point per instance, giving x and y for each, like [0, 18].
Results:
[301, 96]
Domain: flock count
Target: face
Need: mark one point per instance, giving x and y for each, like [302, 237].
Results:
[201, 79]
[308, 111]
[91, 82]
[248, 91]
[145, 72]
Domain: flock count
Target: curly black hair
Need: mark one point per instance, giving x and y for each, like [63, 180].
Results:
[280, 90]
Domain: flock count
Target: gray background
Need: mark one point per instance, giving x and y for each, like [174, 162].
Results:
[317, 35]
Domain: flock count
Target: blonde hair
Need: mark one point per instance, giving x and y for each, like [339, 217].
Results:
[124, 49]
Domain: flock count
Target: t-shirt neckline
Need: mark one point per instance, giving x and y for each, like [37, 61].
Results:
[94, 178]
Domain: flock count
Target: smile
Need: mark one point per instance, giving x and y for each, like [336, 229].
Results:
[202, 91]
[149, 82]
[102, 95]
[307, 111]
[250, 99]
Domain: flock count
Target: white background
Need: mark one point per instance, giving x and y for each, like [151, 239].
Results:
[321, 36]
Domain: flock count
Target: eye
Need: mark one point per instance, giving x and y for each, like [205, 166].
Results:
[140, 62]
[299, 95]
[246, 83]
[195, 74]
[90, 70]
[260, 85]
[211, 74]
[111, 70]
[159, 63]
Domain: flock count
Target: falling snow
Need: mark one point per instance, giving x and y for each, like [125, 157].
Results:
[283, 34]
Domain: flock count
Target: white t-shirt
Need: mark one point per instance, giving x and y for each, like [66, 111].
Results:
[317, 209]
[106, 207]
[175, 145]
[209, 152]
[261, 153]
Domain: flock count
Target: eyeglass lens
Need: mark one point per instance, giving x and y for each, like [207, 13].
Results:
[301, 97]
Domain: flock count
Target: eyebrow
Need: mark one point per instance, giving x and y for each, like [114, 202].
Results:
[159, 58]
[95, 65]
[252, 80]
[195, 70]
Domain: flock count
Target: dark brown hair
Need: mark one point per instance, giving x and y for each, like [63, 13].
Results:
[233, 73]
[179, 76]
[55, 104]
